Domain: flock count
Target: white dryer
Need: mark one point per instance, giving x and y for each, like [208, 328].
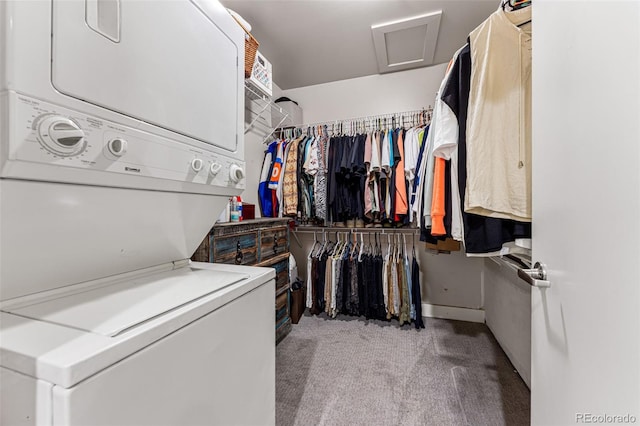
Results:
[121, 140]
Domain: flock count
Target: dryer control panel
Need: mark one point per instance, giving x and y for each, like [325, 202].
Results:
[50, 135]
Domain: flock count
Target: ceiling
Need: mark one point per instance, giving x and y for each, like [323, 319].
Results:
[317, 41]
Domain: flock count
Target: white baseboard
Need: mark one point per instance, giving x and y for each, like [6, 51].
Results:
[453, 313]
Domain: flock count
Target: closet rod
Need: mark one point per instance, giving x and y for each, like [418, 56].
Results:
[320, 229]
[388, 116]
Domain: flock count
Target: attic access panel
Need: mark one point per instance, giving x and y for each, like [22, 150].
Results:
[406, 43]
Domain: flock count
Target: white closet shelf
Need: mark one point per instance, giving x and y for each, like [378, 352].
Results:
[261, 112]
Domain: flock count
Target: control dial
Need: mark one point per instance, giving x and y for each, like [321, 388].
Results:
[214, 168]
[196, 164]
[60, 135]
[117, 147]
[236, 173]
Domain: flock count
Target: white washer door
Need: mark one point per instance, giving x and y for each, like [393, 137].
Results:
[166, 63]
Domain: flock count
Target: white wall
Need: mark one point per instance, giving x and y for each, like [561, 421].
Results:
[507, 306]
[446, 280]
[451, 279]
[370, 95]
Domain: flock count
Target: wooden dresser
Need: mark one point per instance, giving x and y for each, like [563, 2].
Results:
[256, 242]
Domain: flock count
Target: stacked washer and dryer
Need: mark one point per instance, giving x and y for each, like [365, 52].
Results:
[121, 140]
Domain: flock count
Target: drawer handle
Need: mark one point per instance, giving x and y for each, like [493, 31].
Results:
[275, 244]
[239, 254]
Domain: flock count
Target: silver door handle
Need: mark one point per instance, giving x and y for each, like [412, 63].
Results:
[536, 277]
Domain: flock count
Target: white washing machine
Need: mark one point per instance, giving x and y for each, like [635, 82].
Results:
[121, 140]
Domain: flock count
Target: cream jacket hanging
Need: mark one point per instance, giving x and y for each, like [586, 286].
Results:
[499, 118]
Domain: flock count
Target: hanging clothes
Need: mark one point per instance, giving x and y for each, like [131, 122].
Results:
[351, 279]
[286, 146]
[438, 199]
[482, 234]
[445, 146]
[320, 182]
[290, 186]
[403, 281]
[264, 192]
[499, 132]
[341, 178]
[368, 191]
[304, 196]
[417, 297]
[401, 199]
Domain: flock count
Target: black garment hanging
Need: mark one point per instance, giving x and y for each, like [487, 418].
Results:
[332, 185]
[319, 296]
[363, 305]
[352, 307]
[370, 296]
[314, 285]
[344, 286]
[359, 174]
[381, 312]
[416, 293]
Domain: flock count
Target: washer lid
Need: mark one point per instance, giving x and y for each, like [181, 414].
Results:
[120, 307]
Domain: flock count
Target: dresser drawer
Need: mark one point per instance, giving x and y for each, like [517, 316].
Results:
[239, 249]
[281, 265]
[282, 274]
[273, 242]
[282, 307]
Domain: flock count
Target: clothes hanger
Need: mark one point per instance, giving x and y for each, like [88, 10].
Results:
[361, 251]
[516, 5]
[389, 254]
[338, 246]
[346, 251]
[343, 246]
[315, 244]
[404, 242]
[394, 257]
[354, 246]
[324, 241]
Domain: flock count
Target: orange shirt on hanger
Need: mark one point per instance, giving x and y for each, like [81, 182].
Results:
[402, 206]
[438, 202]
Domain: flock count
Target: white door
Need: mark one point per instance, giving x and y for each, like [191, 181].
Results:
[585, 328]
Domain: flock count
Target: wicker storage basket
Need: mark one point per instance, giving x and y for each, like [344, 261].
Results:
[250, 49]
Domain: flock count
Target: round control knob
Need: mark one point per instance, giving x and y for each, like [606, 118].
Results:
[196, 164]
[236, 173]
[60, 135]
[117, 147]
[214, 168]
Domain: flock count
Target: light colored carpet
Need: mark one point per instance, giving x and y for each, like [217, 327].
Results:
[352, 371]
